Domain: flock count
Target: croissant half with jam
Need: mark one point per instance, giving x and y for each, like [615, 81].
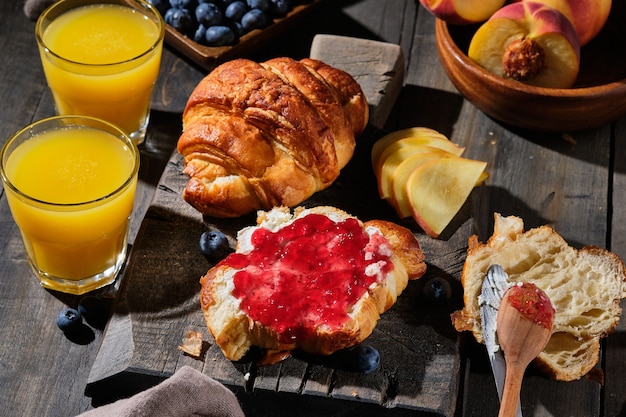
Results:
[260, 135]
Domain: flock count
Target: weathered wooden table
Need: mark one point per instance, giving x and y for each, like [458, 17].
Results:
[427, 368]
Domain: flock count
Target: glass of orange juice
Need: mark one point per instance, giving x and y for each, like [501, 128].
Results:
[101, 58]
[70, 183]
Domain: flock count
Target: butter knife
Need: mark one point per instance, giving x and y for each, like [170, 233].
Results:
[494, 286]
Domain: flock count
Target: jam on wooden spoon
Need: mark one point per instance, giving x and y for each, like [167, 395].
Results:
[524, 328]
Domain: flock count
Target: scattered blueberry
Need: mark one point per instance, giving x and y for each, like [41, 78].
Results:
[360, 358]
[69, 320]
[368, 358]
[214, 245]
[235, 11]
[437, 290]
[208, 14]
[253, 19]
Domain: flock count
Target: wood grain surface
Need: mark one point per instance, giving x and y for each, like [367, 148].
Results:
[573, 182]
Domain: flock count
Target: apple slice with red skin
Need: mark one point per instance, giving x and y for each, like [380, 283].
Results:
[460, 12]
[438, 189]
[528, 42]
[587, 16]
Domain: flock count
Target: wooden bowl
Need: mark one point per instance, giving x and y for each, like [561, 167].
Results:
[597, 98]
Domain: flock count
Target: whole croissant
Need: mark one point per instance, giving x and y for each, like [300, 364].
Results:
[260, 135]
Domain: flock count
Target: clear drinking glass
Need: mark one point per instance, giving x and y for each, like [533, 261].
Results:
[70, 183]
[101, 58]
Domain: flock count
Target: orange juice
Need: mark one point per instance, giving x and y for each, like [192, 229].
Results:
[71, 193]
[102, 60]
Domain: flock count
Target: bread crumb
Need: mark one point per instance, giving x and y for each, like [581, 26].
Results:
[192, 344]
[568, 138]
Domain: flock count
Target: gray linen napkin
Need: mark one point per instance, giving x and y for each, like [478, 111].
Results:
[187, 393]
[33, 8]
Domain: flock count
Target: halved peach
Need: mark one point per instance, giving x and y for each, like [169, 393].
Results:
[461, 12]
[587, 16]
[528, 42]
[438, 189]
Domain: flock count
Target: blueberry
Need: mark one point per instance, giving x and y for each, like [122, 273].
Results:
[179, 19]
[183, 4]
[235, 10]
[237, 29]
[214, 244]
[69, 320]
[280, 7]
[198, 35]
[263, 5]
[360, 358]
[368, 358]
[219, 36]
[437, 290]
[161, 5]
[208, 14]
[253, 19]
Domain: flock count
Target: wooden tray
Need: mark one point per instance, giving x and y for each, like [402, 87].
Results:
[158, 302]
[209, 57]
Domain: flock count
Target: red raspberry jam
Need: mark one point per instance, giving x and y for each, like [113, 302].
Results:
[308, 274]
[532, 303]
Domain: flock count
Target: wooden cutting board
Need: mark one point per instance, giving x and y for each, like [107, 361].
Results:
[158, 302]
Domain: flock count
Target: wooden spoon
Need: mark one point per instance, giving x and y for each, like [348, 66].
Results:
[524, 328]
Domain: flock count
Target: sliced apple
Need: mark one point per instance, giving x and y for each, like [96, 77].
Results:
[421, 132]
[398, 194]
[438, 189]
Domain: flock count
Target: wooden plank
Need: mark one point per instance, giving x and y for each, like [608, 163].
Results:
[615, 345]
[378, 67]
[159, 301]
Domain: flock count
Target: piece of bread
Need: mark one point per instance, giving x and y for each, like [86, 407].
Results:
[260, 135]
[316, 280]
[584, 285]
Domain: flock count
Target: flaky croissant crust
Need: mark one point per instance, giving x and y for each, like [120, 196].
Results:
[260, 135]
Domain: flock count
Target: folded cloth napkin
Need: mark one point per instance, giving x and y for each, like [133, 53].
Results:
[33, 8]
[187, 393]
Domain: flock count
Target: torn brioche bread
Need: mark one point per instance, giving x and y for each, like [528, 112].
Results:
[316, 280]
[585, 286]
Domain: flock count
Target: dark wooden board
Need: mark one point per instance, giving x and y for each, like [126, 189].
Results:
[159, 299]
[158, 303]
